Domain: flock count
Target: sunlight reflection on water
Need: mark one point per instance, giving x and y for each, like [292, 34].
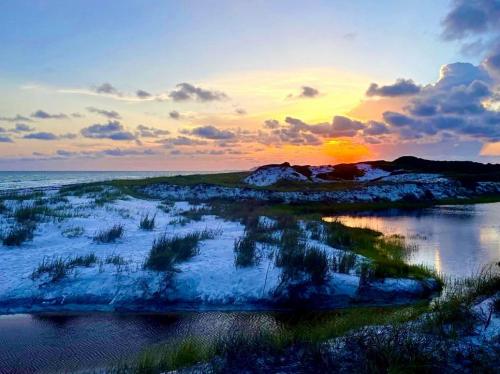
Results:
[455, 240]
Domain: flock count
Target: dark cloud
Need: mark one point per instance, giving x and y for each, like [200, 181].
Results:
[108, 89]
[492, 61]
[240, 111]
[186, 91]
[402, 87]
[111, 114]
[271, 124]
[181, 140]
[113, 130]
[174, 114]
[77, 115]
[308, 92]
[143, 94]
[22, 127]
[375, 128]
[41, 136]
[118, 152]
[469, 17]
[210, 132]
[17, 118]
[40, 114]
[150, 132]
[5, 139]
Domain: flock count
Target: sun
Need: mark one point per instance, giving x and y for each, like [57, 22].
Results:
[346, 150]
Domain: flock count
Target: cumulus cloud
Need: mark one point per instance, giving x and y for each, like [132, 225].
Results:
[402, 87]
[111, 114]
[210, 132]
[113, 130]
[187, 91]
[469, 17]
[150, 132]
[5, 139]
[40, 114]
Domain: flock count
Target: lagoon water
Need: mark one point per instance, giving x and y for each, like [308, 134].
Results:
[456, 240]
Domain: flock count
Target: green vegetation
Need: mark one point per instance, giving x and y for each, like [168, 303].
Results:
[147, 223]
[31, 213]
[109, 235]
[245, 250]
[58, 268]
[18, 234]
[166, 251]
[297, 329]
[452, 311]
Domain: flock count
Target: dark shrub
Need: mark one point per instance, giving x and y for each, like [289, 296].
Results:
[245, 251]
[19, 234]
[109, 235]
[147, 223]
[316, 265]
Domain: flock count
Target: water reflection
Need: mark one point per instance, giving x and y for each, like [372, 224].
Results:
[455, 240]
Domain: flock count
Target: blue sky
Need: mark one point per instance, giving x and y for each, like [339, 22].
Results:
[259, 54]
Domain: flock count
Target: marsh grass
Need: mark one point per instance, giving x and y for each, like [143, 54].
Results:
[239, 351]
[453, 310]
[166, 251]
[147, 223]
[32, 212]
[245, 250]
[19, 234]
[58, 268]
[196, 213]
[295, 257]
[109, 235]
[173, 356]
[345, 263]
[388, 254]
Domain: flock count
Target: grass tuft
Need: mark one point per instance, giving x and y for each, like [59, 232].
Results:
[166, 251]
[109, 235]
[58, 268]
[19, 234]
[147, 223]
[245, 250]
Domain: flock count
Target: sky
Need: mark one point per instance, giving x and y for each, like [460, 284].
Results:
[230, 85]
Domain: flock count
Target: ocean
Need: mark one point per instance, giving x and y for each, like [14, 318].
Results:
[36, 179]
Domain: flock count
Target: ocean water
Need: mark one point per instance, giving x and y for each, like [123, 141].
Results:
[37, 179]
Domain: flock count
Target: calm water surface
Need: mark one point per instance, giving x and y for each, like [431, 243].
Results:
[456, 240]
